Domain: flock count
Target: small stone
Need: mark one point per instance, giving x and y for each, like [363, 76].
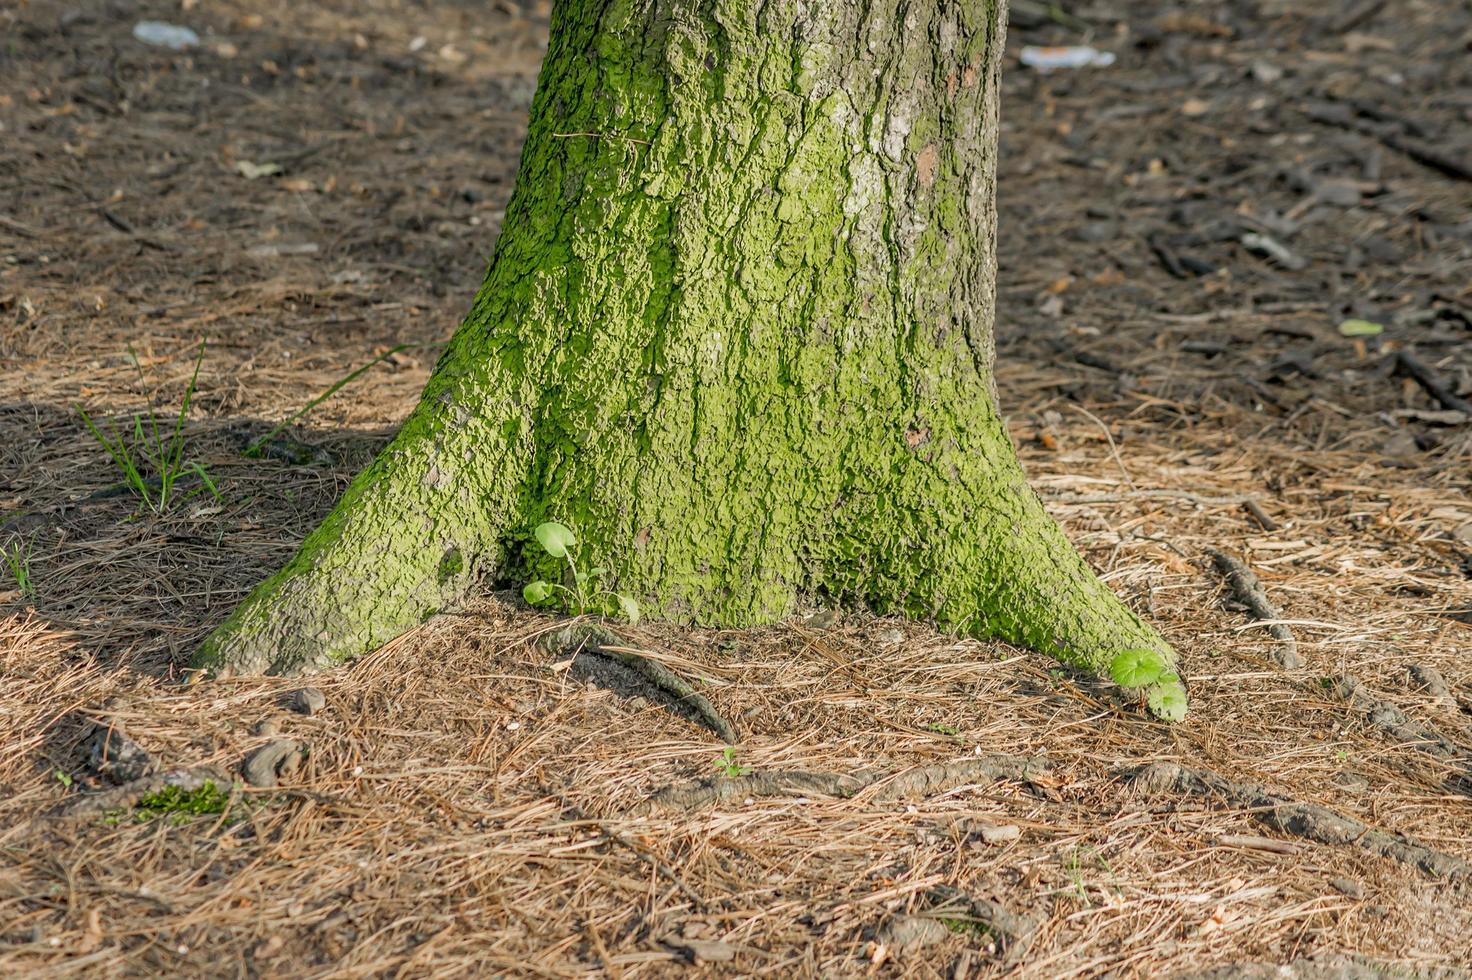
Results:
[823, 619]
[306, 701]
[115, 755]
[1266, 73]
[1400, 445]
[909, 932]
[706, 950]
[1000, 833]
[1096, 232]
[269, 764]
[1348, 887]
[267, 726]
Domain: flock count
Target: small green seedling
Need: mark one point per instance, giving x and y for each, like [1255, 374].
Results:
[63, 778]
[559, 541]
[152, 464]
[17, 556]
[728, 765]
[1149, 671]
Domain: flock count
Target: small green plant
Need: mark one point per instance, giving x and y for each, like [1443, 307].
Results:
[1150, 671]
[970, 928]
[182, 804]
[17, 554]
[63, 778]
[1075, 864]
[558, 541]
[728, 765]
[152, 464]
[1073, 867]
[940, 729]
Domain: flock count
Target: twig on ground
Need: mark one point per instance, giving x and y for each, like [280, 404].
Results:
[1258, 514]
[1393, 136]
[1247, 590]
[1412, 366]
[1108, 437]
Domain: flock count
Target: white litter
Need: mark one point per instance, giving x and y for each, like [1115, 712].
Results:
[1050, 59]
[162, 35]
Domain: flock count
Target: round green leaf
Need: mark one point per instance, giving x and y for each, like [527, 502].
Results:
[555, 538]
[1360, 328]
[536, 592]
[1168, 701]
[1136, 668]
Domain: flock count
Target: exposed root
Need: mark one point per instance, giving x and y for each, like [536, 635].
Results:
[1247, 590]
[1307, 820]
[594, 639]
[921, 781]
[1393, 721]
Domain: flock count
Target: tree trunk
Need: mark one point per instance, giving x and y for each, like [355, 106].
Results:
[737, 335]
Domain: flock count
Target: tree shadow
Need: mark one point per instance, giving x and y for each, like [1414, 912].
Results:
[139, 588]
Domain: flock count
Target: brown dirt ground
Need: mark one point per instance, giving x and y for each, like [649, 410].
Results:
[470, 806]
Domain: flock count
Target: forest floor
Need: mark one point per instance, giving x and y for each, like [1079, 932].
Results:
[1182, 234]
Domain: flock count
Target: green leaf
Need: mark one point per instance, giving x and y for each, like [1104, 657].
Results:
[556, 539]
[536, 592]
[1168, 701]
[629, 606]
[1360, 328]
[1136, 668]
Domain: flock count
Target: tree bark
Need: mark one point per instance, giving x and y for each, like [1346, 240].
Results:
[737, 335]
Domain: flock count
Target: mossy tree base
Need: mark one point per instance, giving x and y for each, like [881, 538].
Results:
[737, 334]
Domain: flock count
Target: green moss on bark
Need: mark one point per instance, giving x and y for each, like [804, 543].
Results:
[737, 333]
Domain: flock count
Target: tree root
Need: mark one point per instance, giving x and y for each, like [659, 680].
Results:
[1247, 590]
[126, 796]
[1307, 820]
[921, 781]
[594, 639]
[1413, 734]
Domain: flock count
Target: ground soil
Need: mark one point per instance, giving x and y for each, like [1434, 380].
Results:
[1182, 234]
